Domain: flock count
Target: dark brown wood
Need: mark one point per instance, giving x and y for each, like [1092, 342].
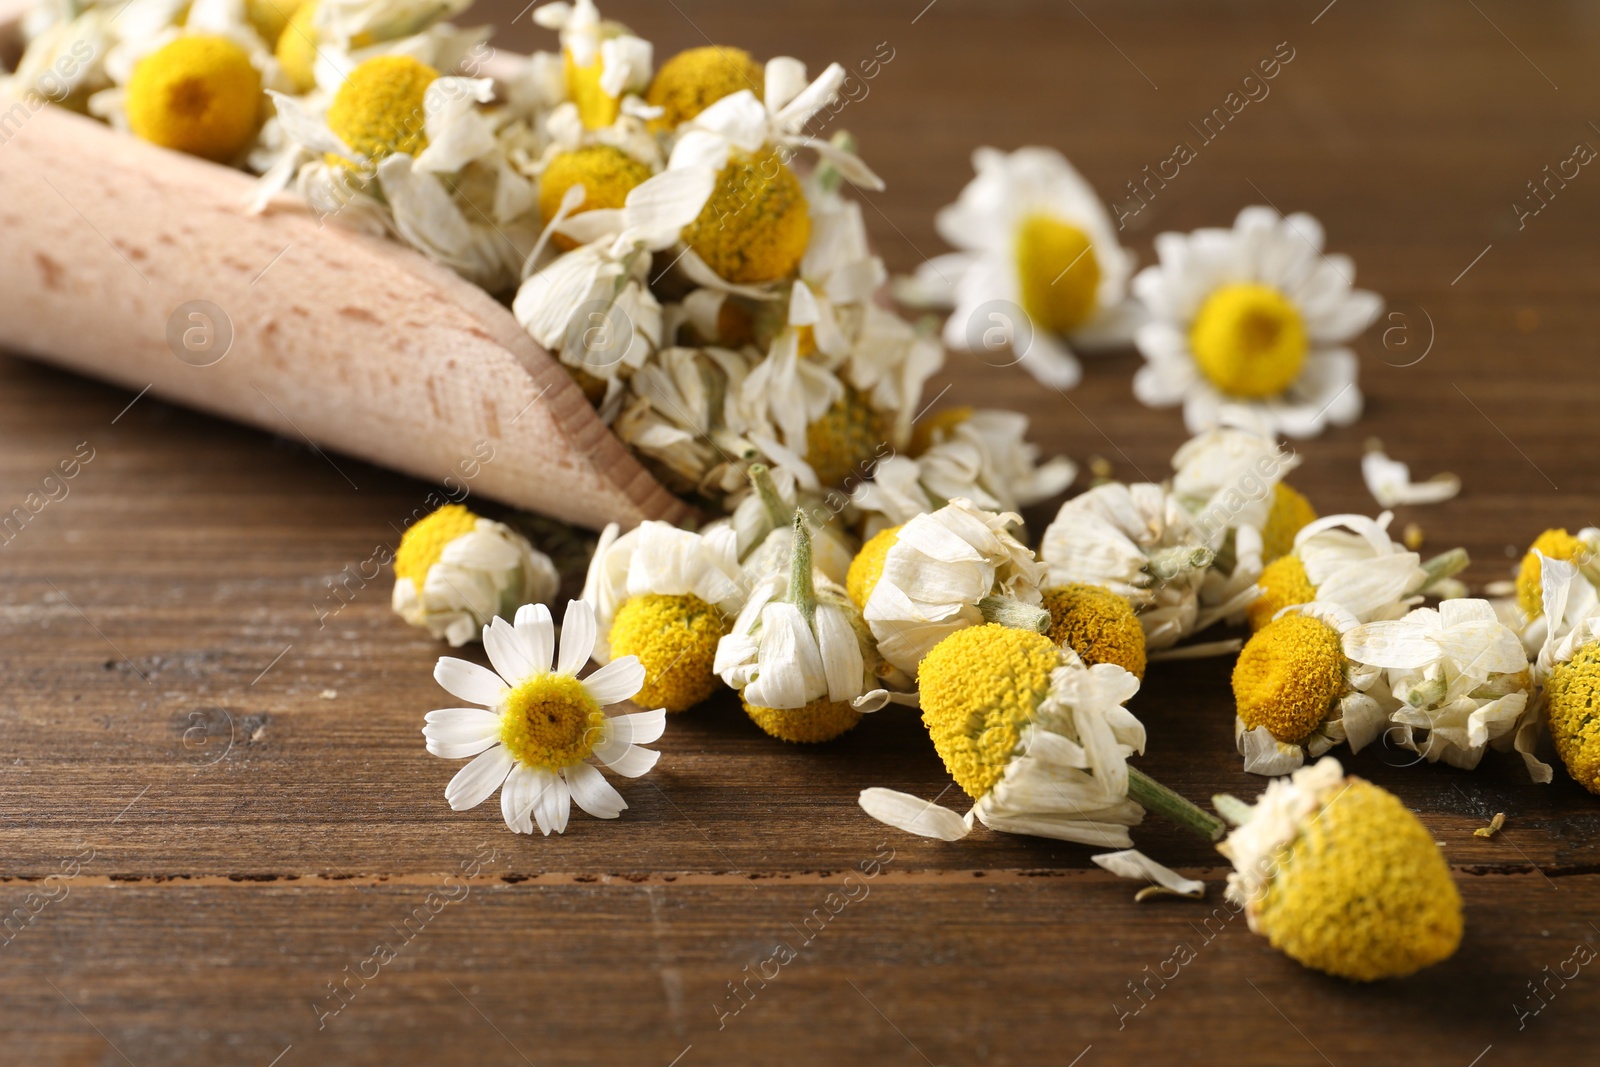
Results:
[233, 754]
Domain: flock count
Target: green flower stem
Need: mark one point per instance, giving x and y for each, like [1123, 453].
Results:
[761, 479]
[1445, 565]
[1153, 796]
[802, 593]
[1008, 612]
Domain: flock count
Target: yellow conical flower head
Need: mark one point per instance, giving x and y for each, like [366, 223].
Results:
[931, 429]
[199, 95]
[1363, 892]
[1283, 584]
[379, 111]
[980, 686]
[296, 47]
[1289, 514]
[693, 80]
[675, 638]
[1289, 676]
[820, 720]
[424, 541]
[1058, 272]
[1098, 625]
[270, 17]
[867, 567]
[756, 224]
[1572, 708]
[1249, 340]
[1557, 544]
[848, 433]
[607, 175]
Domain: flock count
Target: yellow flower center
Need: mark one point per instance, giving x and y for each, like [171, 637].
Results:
[424, 541]
[1098, 625]
[848, 433]
[980, 687]
[607, 175]
[1058, 272]
[934, 428]
[675, 638]
[1572, 707]
[692, 81]
[756, 225]
[1249, 340]
[820, 720]
[378, 111]
[865, 570]
[1283, 583]
[296, 47]
[1363, 892]
[551, 721]
[199, 95]
[270, 18]
[1290, 513]
[1288, 677]
[597, 109]
[1557, 544]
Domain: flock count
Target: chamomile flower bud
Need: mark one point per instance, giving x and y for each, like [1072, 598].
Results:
[948, 570]
[197, 94]
[1098, 625]
[667, 597]
[693, 80]
[455, 571]
[800, 654]
[1339, 876]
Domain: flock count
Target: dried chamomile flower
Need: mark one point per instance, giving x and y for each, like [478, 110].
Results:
[1232, 476]
[604, 61]
[607, 174]
[867, 566]
[763, 521]
[537, 727]
[1349, 560]
[948, 570]
[666, 596]
[757, 224]
[1568, 668]
[455, 571]
[1339, 876]
[693, 80]
[1034, 237]
[1583, 550]
[1254, 316]
[799, 653]
[198, 94]
[378, 111]
[1097, 624]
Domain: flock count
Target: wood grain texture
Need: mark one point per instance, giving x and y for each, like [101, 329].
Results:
[171, 627]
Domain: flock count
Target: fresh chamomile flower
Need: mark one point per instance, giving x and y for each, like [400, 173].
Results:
[1032, 236]
[799, 654]
[199, 94]
[1256, 315]
[1583, 550]
[537, 728]
[948, 570]
[604, 61]
[455, 571]
[1097, 624]
[1140, 542]
[1568, 669]
[696, 78]
[1349, 560]
[1459, 680]
[1339, 876]
[666, 597]
[982, 456]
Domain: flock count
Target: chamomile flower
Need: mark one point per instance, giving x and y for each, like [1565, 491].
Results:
[537, 727]
[1339, 876]
[1037, 740]
[455, 571]
[665, 597]
[1256, 315]
[867, 566]
[1297, 693]
[1233, 475]
[1032, 236]
[948, 570]
[1568, 670]
[1098, 625]
[325, 40]
[199, 94]
[1583, 550]
[696, 78]
[1349, 560]
[799, 653]
[1459, 680]
[604, 61]
[763, 521]
[1140, 542]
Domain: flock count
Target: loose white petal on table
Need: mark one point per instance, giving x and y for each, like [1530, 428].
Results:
[1389, 482]
[913, 814]
[1131, 863]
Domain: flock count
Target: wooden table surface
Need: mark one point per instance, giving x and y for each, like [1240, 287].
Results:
[229, 757]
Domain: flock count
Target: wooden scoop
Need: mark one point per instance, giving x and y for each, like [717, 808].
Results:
[128, 262]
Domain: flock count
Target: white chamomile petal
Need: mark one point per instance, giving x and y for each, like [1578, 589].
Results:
[617, 681]
[507, 652]
[913, 814]
[469, 682]
[537, 632]
[593, 793]
[577, 637]
[478, 780]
